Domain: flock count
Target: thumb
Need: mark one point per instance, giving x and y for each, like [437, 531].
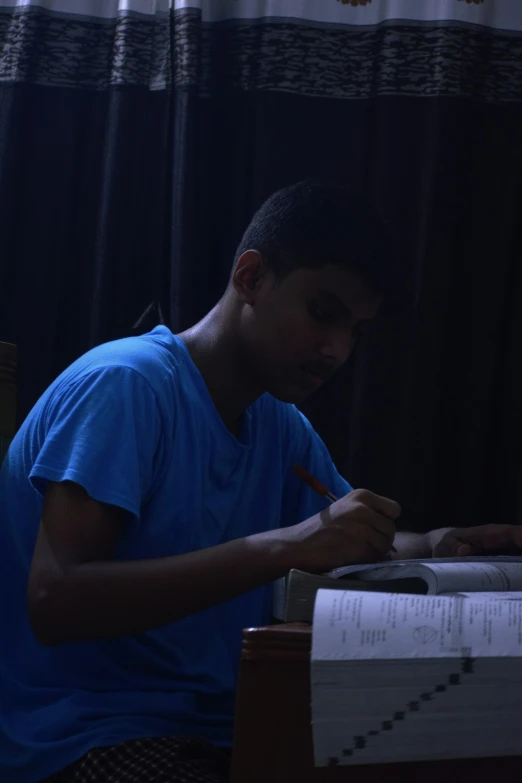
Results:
[465, 550]
[456, 544]
[466, 545]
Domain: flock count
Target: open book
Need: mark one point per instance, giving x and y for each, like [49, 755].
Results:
[400, 677]
[294, 596]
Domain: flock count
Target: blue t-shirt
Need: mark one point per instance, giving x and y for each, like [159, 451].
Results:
[133, 423]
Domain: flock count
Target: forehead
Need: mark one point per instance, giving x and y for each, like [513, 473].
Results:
[336, 286]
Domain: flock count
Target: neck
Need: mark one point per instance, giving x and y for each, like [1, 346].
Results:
[213, 347]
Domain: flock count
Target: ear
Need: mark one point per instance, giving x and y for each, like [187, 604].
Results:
[249, 275]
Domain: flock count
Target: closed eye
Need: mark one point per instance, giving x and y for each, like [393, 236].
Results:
[359, 330]
[321, 314]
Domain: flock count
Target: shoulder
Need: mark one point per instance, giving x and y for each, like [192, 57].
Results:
[131, 373]
[153, 356]
[144, 362]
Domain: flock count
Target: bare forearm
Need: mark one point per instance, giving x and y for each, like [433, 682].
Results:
[417, 545]
[410, 546]
[118, 598]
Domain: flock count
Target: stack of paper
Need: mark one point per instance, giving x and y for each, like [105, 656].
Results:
[408, 677]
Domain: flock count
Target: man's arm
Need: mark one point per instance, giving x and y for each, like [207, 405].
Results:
[482, 540]
[418, 545]
[77, 591]
[410, 545]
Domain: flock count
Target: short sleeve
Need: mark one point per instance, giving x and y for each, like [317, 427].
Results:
[101, 431]
[307, 449]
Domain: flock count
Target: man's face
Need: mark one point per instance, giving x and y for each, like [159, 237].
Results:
[296, 332]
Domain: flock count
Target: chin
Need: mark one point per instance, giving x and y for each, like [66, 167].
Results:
[290, 395]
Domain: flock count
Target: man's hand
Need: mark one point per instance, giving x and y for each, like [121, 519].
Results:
[476, 541]
[358, 528]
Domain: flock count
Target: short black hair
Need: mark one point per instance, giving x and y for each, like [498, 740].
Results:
[312, 224]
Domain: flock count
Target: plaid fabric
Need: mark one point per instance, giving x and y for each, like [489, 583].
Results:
[154, 760]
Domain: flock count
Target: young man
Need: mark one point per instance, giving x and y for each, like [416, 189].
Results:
[148, 502]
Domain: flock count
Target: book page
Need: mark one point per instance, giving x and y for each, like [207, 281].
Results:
[447, 575]
[355, 625]
[428, 561]
[477, 575]
[496, 596]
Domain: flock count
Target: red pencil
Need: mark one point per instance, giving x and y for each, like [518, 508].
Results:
[314, 483]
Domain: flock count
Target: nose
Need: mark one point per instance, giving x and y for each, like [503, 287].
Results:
[337, 346]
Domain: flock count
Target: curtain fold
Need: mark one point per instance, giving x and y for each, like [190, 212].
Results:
[138, 136]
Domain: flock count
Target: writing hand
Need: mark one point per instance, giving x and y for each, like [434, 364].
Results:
[358, 528]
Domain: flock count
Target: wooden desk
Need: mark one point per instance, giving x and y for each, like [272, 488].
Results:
[273, 736]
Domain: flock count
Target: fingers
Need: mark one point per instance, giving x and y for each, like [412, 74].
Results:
[485, 536]
[360, 507]
[489, 537]
[480, 540]
[380, 542]
[370, 528]
[367, 517]
[377, 531]
[385, 506]
[517, 536]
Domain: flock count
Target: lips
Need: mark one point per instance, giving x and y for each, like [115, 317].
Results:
[318, 370]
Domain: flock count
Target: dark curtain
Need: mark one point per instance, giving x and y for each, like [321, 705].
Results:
[130, 166]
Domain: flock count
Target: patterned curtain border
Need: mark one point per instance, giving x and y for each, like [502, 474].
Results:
[393, 58]
[93, 9]
[496, 14]
[52, 49]
[263, 54]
